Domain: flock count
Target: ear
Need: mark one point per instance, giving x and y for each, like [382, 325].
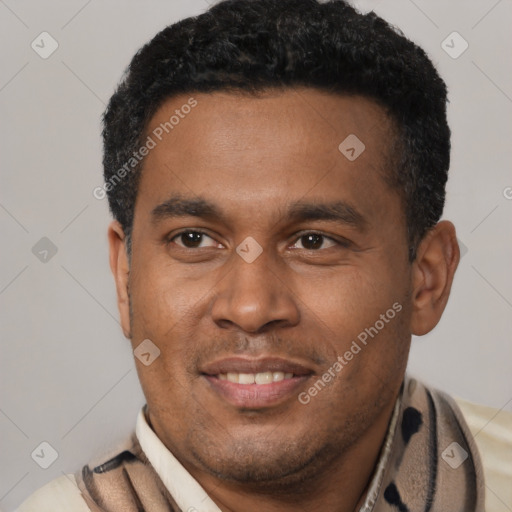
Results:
[432, 276]
[120, 268]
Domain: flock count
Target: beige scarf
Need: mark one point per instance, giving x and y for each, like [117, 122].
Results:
[433, 466]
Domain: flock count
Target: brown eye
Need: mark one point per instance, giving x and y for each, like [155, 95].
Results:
[193, 239]
[314, 241]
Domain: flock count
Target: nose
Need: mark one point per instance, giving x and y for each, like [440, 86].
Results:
[254, 297]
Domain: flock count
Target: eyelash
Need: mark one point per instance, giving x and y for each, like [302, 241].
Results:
[341, 243]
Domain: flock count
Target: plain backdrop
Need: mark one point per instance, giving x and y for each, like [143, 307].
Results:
[67, 373]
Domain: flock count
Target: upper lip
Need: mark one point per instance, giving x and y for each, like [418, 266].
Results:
[260, 365]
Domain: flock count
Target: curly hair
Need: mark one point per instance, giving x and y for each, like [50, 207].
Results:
[254, 45]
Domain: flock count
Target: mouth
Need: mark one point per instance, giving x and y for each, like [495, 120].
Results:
[255, 383]
[261, 378]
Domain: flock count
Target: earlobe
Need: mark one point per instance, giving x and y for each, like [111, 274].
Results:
[119, 265]
[432, 276]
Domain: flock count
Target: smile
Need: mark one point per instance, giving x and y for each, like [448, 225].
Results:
[255, 378]
[255, 383]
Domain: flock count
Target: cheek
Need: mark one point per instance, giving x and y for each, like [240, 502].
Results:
[162, 313]
[349, 297]
[164, 299]
[361, 315]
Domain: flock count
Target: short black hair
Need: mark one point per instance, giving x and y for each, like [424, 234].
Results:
[251, 46]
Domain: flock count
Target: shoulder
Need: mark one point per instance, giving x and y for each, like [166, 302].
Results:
[59, 495]
[492, 432]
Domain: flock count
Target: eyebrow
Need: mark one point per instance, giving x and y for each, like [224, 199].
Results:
[177, 206]
[299, 211]
[337, 211]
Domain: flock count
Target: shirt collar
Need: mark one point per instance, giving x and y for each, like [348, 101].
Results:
[182, 486]
[190, 496]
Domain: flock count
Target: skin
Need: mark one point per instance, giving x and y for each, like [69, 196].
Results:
[302, 299]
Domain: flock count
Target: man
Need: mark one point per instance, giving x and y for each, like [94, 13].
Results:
[276, 170]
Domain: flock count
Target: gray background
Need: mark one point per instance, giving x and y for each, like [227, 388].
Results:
[67, 375]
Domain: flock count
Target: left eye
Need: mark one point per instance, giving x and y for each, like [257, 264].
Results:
[193, 239]
[314, 241]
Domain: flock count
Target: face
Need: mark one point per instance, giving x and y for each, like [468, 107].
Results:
[271, 272]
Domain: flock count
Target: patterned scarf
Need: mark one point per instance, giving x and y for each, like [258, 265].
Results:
[432, 465]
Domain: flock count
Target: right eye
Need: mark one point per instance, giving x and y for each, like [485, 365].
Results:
[192, 239]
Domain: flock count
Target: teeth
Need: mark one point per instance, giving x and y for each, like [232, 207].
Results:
[246, 378]
[263, 378]
[233, 377]
[255, 378]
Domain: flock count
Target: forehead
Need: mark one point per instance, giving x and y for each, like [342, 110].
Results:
[274, 147]
[293, 115]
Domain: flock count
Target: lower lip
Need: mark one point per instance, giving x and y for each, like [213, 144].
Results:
[256, 396]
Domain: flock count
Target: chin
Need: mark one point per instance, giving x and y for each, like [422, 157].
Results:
[265, 465]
